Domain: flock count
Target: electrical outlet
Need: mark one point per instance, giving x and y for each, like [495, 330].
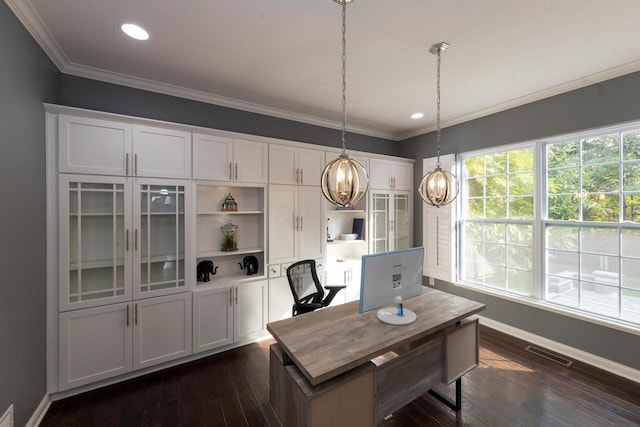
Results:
[432, 281]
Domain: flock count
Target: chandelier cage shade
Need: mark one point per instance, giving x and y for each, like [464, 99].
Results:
[344, 180]
[438, 187]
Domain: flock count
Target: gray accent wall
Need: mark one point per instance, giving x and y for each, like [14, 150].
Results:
[27, 79]
[599, 105]
[96, 95]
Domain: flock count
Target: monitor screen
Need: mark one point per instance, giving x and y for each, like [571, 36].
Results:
[388, 275]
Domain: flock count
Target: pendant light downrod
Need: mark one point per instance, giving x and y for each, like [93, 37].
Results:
[344, 180]
[438, 187]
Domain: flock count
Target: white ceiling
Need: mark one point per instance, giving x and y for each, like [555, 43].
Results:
[283, 57]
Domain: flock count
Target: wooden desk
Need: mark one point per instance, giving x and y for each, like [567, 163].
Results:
[338, 340]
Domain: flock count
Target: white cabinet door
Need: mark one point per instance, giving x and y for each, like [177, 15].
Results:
[250, 306]
[212, 318]
[280, 299]
[311, 163]
[212, 157]
[93, 146]
[295, 166]
[311, 232]
[402, 176]
[390, 221]
[95, 344]
[283, 164]
[390, 175]
[283, 223]
[159, 152]
[162, 329]
[251, 161]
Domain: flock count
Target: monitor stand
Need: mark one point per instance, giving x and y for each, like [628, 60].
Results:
[397, 316]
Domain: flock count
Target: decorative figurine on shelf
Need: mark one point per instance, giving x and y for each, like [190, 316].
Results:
[249, 263]
[229, 204]
[205, 268]
[229, 237]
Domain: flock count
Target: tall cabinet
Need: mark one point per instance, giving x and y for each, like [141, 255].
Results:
[123, 291]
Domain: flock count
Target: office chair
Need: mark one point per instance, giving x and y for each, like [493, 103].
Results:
[305, 286]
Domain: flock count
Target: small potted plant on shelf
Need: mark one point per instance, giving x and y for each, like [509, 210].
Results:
[229, 237]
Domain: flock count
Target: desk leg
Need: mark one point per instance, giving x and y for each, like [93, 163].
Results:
[455, 405]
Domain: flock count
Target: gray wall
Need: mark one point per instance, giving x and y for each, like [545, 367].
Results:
[602, 104]
[27, 78]
[96, 95]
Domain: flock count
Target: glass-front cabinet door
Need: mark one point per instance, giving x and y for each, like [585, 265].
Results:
[159, 237]
[94, 265]
[379, 222]
[400, 225]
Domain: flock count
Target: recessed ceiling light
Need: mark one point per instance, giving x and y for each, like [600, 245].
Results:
[134, 31]
[417, 115]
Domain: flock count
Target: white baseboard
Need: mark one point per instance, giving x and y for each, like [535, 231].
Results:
[40, 412]
[588, 358]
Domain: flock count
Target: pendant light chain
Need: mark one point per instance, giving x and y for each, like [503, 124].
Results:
[438, 110]
[344, 75]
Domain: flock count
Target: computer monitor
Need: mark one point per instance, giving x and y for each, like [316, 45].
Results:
[391, 278]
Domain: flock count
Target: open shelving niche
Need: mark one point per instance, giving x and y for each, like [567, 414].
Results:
[250, 219]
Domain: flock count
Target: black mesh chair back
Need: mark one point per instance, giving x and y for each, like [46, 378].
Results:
[307, 291]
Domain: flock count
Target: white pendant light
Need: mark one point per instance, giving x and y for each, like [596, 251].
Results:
[438, 187]
[344, 180]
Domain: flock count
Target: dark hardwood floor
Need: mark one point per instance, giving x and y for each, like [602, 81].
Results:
[511, 387]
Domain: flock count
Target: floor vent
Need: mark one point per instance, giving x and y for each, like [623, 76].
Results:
[547, 355]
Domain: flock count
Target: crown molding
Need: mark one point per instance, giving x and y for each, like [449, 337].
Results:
[609, 74]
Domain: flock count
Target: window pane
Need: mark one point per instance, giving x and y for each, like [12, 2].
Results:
[520, 281]
[474, 208]
[632, 208]
[601, 207]
[496, 185]
[563, 291]
[473, 166]
[599, 268]
[563, 238]
[599, 299]
[520, 257]
[630, 243]
[631, 273]
[565, 264]
[521, 207]
[563, 181]
[631, 306]
[599, 240]
[496, 208]
[494, 233]
[495, 163]
[495, 254]
[631, 145]
[563, 208]
[631, 176]
[474, 187]
[521, 160]
[565, 154]
[496, 277]
[473, 263]
[521, 184]
[472, 231]
[520, 234]
[601, 178]
[601, 149]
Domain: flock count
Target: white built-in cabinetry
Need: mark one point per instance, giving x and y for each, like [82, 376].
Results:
[295, 166]
[104, 147]
[390, 174]
[220, 158]
[138, 204]
[227, 314]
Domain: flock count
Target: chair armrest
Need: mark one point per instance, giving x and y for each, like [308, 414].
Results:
[338, 287]
[333, 290]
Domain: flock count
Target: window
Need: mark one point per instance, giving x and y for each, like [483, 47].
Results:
[587, 224]
[497, 220]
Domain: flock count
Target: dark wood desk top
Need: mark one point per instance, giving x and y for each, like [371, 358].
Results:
[334, 340]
